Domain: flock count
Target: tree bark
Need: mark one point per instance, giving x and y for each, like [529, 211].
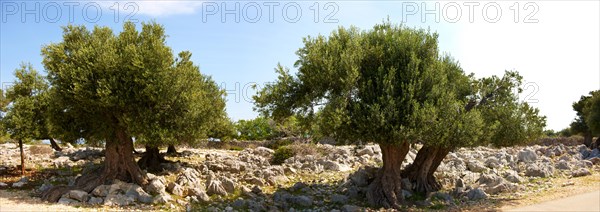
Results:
[152, 159]
[119, 163]
[420, 172]
[386, 189]
[22, 157]
[54, 145]
[171, 149]
[587, 139]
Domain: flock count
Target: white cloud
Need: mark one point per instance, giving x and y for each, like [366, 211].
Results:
[157, 8]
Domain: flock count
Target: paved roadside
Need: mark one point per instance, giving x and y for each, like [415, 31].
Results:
[582, 202]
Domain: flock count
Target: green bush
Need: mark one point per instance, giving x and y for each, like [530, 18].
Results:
[281, 154]
[275, 144]
[255, 129]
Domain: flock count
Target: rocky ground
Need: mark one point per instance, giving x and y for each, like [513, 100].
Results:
[319, 178]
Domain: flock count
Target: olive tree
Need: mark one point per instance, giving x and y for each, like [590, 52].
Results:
[115, 87]
[588, 117]
[390, 85]
[25, 105]
[373, 86]
[487, 113]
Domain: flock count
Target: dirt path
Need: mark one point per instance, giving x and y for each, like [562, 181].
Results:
[21, 201]
[582, 202]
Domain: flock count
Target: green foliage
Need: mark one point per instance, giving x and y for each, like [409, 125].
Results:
[593, 113]
[25, 117]
[565, 132]
[507, 121]
[259, 128]
[276, 143]
[281, 154]
[223, 129]
[370, 85]
[551, 133]
[588, 114]
[105, 83]
[390, 85]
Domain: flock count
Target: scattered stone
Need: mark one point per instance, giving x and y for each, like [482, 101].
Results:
[339, 199]
[255, 181]
[155, 187]
[289, 170]
[101, 190]
[476, 166]
[302, 200]
[581, 172]
[214, 186]
[570, 183]
[527, 156]
[79, 195]
[176, 189]
[264, 151]
[2, 185]
[351, 208]
[200, 195]
[476, 194]
[563, 165]
[595, 161]
[66, 201]
[539, 170]
[239, 203]
[229, 185]
[18, 184]
[162, 198]
[118, 200]
[95, 201]
[512, 176]
[256, 190]
[490, 180]
[366, 151]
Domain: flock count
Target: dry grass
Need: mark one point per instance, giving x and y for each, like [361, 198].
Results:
[41, 150]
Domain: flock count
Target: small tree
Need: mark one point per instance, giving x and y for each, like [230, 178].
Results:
[112, 88]
[487, 113]
[586, 122]
[25, 117]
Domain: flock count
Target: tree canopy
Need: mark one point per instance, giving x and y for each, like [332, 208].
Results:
[587, 121]
[390, 85]
[114, 87]
[25, 105]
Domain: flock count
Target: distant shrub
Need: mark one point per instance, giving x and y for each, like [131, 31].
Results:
[568, 141]
[281, 154]
[307, 149]
[275, 144]
[259, 128]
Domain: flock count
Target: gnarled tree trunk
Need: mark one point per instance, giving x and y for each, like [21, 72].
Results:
[54, 145]
[171, 149]
[587, 139]
[420, 172]
[386, 189]
[22, 157]
[152, 159]
[119, 163]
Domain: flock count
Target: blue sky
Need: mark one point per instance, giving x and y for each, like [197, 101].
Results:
[554, 44]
